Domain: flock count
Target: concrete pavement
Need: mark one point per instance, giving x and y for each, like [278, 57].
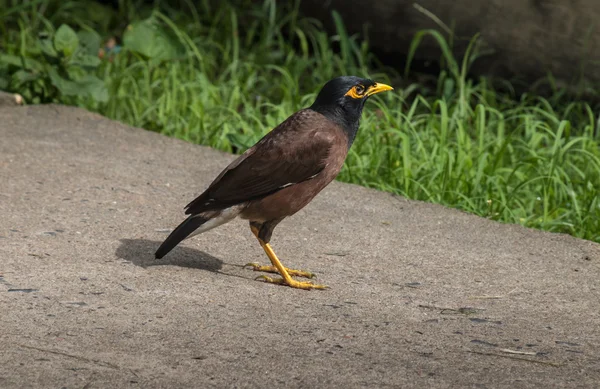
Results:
[420, 295]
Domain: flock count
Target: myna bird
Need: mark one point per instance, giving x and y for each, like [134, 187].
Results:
[283, 172]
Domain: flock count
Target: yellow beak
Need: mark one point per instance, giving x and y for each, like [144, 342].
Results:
[378, 88]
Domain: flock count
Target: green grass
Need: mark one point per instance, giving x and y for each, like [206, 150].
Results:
[224, 75]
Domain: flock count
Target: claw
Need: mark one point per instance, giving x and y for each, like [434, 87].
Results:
[306, 285]
[278, 281]
[271, 269]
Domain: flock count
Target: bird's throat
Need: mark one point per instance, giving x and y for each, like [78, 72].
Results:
[347, 120]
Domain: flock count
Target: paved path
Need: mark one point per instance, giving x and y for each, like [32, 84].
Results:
[421, 296]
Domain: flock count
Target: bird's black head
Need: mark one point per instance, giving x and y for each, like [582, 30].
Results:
[342, 99]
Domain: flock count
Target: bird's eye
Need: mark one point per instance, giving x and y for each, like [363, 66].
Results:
[360, 90]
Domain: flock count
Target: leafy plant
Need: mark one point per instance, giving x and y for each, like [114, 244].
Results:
[57, 68]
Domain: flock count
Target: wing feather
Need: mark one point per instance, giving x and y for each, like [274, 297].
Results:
[293, 152]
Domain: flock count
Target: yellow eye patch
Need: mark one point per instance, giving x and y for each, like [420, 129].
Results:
[356, 92]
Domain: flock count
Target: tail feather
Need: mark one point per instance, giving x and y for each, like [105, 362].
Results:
[182, 231]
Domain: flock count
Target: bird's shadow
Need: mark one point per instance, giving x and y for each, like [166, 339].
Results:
[140, 252]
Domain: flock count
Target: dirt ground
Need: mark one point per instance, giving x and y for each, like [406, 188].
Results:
[420, 296]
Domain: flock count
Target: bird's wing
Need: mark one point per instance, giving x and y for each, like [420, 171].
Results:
[293, 152]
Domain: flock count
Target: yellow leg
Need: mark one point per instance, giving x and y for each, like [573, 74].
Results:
[287, 279]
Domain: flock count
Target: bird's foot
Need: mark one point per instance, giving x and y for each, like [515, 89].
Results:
[306, 285]
[272, 269]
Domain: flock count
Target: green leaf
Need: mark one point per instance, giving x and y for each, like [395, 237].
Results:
[66, 40]
[66, 87]
[9, 59]
[22, 76]
[95, 88]
[47, 47]
[150, 39]
[88, 86]
[90, 42]
[75, 72]
[86, 61]
[21, 62]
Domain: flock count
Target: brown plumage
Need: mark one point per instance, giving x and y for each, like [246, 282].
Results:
[283, 172]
